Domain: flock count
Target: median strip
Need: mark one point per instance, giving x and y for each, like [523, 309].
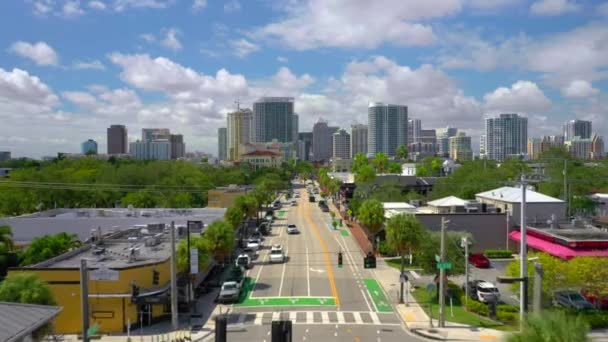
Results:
[375, 291]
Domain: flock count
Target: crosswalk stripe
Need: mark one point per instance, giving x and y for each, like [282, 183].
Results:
[259, 317]
[276, 316]
[309, 317]
[292, 316]
[340, 316]
[357, 317]
[324, 317]
[374, 317]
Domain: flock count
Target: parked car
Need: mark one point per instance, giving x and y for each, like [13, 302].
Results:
[600, 303]
[257, 235]
[265, 228]
[229, 292]
[324, 208]
[571, 299]
[311, 198]
[292, 229]
[254, 244]
[483, 291]
[294, 203]
[322, 203]
[251, 253]
[276, 254]
[479, 260]
[243, 260]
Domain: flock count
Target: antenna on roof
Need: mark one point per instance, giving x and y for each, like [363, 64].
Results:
[238, 104]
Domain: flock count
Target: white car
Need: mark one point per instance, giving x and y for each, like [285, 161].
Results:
[276, 254]
[243, 260]
[292, 229]
[254, 244]
[486, 292]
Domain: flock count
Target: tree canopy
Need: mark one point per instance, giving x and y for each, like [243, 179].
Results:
[48, 246]
[26, 288]
[218, 239]
[402, 152]
[404, 233]
[371, 214]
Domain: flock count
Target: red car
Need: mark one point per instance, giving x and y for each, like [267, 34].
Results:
[601, 303]
[479, 260]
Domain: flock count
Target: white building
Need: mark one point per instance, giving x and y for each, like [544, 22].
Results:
[408, 169]
[341, 144]
[579, 148]
[506, 135]
[414, 130]
[539, 207]
[150, 150]
[387, 128]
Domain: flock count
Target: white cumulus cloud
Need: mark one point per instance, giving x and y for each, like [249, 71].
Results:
[521, 97]
[579, 88]
[171, 41]
[40, 53]
[243, 47]
[71, 9]
[94, 65]
[97, 4]
[199, 5]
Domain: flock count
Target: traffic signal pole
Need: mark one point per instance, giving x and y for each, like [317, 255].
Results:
[84, 299]
[442, 283]
[174, 322]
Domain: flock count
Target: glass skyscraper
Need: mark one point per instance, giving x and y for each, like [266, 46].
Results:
[506, 135]
[387, 128]
[273, 118]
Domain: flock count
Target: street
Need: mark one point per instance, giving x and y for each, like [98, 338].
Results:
[324, 302]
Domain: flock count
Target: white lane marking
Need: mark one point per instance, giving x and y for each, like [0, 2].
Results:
[324, 317]
[357, 318]
[340, 316]
[292, 316]
[309, 318]
[316, 270]
[283, 274]
[259, 317]
[375, 318]
[307, 270]
[355, 270]
[414, 274]
[276, 316]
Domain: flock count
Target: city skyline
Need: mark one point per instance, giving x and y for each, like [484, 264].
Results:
[187, 73]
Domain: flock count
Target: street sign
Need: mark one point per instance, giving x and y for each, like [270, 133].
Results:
[92, 330]
[437, 258]
[194, 261]
[444, 265]
[403, 278]
[103, 273]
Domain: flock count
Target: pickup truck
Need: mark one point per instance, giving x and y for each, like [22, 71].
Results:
[231, 289]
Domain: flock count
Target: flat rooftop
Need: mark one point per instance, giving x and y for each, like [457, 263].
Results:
[82, 221]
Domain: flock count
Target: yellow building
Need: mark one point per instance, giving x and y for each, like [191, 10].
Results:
[138, 257]
[224, 197]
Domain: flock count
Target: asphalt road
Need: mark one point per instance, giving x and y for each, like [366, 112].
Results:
[324, 302]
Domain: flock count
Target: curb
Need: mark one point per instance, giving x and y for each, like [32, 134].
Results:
[428, 334]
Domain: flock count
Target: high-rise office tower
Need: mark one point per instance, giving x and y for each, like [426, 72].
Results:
[304, 147]
[222, 143]
[341, 144]
[295, 127]
[89, 146]
[506, 135]
[273, 118]
[482, 146]
[322, 140]
[597, 147]
[443, 140]
[414, 130]
[5, 155]
[577, 128]
[460, 147]
[358, 140]
[240, 131]
[178, 147]
[535, 148]
[117, 139]
[159, 149]
[150, 134]
[387, 128]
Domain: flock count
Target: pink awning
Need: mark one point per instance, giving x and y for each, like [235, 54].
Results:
[555, 249]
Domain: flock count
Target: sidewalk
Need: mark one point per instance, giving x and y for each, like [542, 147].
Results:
[416, 319]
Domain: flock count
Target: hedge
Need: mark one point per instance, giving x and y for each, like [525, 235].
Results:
[498, 253]
[476, 306]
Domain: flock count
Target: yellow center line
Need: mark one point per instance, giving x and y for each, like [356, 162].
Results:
[330, 273]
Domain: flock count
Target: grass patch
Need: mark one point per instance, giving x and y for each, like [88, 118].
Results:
[396, 263]
[460, 314]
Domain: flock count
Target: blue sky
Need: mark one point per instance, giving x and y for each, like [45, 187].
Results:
[69, 68]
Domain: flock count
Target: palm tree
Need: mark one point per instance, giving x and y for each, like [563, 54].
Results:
[404, 233]
[218, 240]
[6, 237]
[553, 326]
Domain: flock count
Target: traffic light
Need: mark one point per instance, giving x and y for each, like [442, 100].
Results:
[134, 293]
[281, 331]
[340, 259]
[155, 276]
[369, 261]
[220, 328]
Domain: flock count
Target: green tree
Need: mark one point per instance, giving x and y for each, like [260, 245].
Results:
[248, 205]
[552, 326]
[380, 162]
[431, 247]
[405, 234]
[402, 152]
[49, 246]
[234, 216]
[371, 214]
[6, 238]
[359, 160]
[219, 240]
[27, 288]
[196, 242]
[394, 168]
[365, 174]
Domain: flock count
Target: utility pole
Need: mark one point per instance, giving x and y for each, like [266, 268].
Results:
[442, 284]
[565, 173]
[174, 322]
[465, 242]
[84, 299]
[507, 240]
[538, 285]
[523, 258]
